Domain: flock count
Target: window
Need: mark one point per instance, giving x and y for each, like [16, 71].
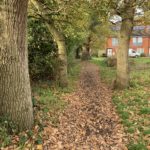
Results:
[137, 41]
[134, 40]
[114, 42]
[140, 40]
[140, 50]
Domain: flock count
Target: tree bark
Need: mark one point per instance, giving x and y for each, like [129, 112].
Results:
[62, 55]
[122, 80]
[15, 92]
[86, 49]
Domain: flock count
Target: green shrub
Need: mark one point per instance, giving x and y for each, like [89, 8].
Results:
[111, 61]
[43, 61]
[95, 54]
[143, 55]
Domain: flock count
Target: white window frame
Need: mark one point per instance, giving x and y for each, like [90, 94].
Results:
[114, 41]
[134, 40]
[137, 40]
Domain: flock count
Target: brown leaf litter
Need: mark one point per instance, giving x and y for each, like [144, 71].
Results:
[90, 122]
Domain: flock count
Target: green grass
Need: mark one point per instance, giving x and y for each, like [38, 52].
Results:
[141, 60]
[133, 104]
[7, 129]
[48, 96]
[145, 110]
[137, 146]
[107, 73]
[49, 102]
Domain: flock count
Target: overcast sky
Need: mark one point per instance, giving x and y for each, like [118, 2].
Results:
[116, 18]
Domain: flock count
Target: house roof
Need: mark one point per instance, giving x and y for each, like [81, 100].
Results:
[137, 30]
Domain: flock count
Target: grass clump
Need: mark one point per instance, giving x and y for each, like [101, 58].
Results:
[145, 110]
[7, 130]
[137, 146]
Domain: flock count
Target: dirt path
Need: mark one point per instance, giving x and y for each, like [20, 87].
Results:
[90, 122]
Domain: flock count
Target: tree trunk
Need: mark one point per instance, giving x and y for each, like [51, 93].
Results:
[78, 52]
[62, 55]
[122, 80]
[86, 49]
[15, 92]
[88, 44]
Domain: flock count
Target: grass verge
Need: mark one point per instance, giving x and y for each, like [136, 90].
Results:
[133, 104]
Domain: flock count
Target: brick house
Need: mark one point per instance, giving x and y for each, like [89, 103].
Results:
[139, 41]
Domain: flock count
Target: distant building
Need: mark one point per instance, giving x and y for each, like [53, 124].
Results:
[139, 41]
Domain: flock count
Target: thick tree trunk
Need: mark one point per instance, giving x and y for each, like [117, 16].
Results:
[15, 92]
[62, 54]
[122, 80]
